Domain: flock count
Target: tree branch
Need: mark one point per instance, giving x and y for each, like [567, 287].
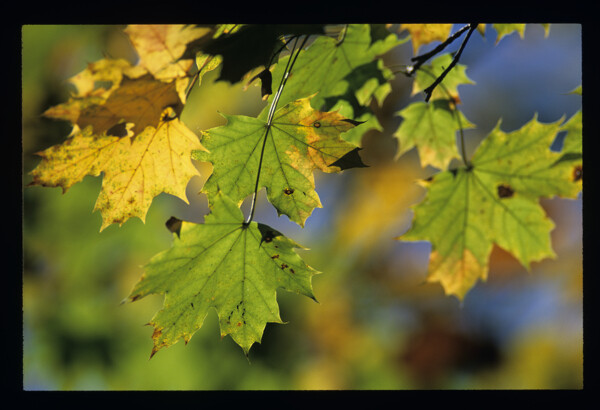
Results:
[429, 90]
[424, 57]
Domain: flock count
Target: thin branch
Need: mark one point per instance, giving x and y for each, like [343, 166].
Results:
[424, 57]
[280, 50]
[429, 90]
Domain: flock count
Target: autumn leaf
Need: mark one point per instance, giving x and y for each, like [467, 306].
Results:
[281, 156]
[505, 29]
[135, 169]
[493, 200]
[161, 46]
[125, 125]
[431, 127]
[139, 101]
[422, 34]
[226, 265]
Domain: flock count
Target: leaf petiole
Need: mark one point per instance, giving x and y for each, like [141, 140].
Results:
[272, 108]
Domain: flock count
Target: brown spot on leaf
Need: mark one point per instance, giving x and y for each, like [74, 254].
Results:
[317, 124]
[274, 256]
[292, 270]
[288, 191]
[239, 324]
[505, 191]
[577, 173]
[283, 266]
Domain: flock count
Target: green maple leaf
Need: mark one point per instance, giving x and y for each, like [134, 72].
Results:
[494, 200]
[431, 127]
[448, 88]
[251, 46]
[344, 73]
[281, 156]
[225, 264]
[322, 67]
[573, 140]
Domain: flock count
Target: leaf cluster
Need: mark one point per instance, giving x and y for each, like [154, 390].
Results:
[320, 83]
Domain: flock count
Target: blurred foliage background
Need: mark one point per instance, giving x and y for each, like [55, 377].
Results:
[377, 325]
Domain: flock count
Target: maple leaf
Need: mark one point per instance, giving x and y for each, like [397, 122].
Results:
[282, 155]
[139, 101]
[494, 200]
[225, 264]
[426, 33]
[125, 126]
[431, 127]
[344, 73]
[135, 169]
[161, 46]
[573, 142]
[448, 88]
[326, 66]
[251, 46]
[505, 29]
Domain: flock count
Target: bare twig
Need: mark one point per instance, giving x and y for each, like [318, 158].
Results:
[420, 60]
[429, 90]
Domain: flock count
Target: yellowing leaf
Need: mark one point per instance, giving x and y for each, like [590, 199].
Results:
[160, 47]
[134, 96]
[139, 101]
[158, 160]
[283, 156]
[506, 29]
[225, 264]
[130, 132]
[66, 164]
[426, 33]
[494, 200]
[135, 169]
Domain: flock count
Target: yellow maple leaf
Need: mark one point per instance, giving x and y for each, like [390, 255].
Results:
[134, 97]
[125, 125]
[68, 163]
[426, 33]
[160, 47]
[135, 170]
